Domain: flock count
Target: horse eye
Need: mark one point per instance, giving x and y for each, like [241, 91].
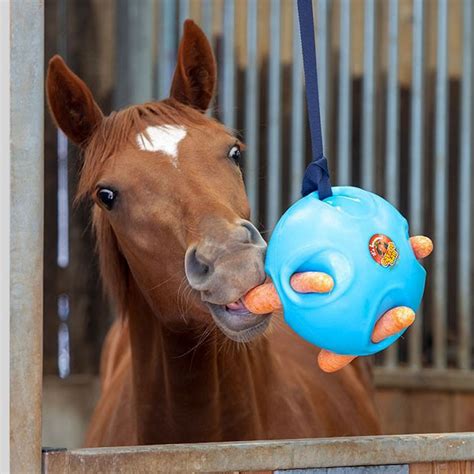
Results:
[234, 154]
[107, 197]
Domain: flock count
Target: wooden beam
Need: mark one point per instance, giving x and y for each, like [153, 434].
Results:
[265, 455]
[425, 379]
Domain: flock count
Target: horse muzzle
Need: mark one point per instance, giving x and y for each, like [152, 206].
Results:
[223, 267]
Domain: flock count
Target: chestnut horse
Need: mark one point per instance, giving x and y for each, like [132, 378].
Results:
[186, 362]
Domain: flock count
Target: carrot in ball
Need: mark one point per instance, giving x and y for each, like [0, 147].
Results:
[331, 362]
[312, 282]
[422, 246]
[392, 322]
[264, 299]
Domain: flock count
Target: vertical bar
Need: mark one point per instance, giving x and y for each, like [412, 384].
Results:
[206, 23]
[416, 181]
[392, 174]
[344, 134]
[441, 192]
[62, 255]
[183, 14]
[274, 110]
[252, 108]
[297, 114]
[206, 15]
[228, 61]
[368, 98]
[167, 46]
[63, 201]
[135, 64]
[5, 235]
[465, 193]
[26, 237]
[322, 44]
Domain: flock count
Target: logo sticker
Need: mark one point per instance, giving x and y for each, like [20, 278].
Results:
[383, 250]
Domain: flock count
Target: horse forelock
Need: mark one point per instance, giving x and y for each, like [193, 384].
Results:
[120, 128]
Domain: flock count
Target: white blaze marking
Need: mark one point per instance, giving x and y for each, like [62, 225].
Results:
[163, 138]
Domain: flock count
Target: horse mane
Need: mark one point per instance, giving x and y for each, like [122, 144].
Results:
[112, 135]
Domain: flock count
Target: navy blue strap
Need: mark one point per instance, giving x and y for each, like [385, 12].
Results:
[316, 177]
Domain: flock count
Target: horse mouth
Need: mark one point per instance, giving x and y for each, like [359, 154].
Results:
[237, 322]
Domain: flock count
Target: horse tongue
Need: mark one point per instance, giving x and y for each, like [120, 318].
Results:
[237, 306]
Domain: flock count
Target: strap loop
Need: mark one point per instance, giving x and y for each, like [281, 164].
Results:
[316, 177]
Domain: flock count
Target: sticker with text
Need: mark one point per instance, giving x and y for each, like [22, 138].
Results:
[383, 250]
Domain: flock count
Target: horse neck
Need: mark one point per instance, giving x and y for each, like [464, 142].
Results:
[191, 392]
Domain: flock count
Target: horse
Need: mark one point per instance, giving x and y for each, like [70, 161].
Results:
[185, 361]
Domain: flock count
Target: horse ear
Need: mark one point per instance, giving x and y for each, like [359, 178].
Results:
[71, 103]
[195, 75]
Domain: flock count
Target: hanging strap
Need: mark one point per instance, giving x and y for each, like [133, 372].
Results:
[316, 176]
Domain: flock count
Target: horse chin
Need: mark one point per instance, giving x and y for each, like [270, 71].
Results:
[237, 325]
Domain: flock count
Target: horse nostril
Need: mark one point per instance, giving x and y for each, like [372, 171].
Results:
[253, 235]
[196, 269]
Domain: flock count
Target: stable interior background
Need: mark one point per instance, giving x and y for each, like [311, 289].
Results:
[385, 68]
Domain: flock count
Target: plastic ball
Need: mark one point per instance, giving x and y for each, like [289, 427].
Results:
[362, 241]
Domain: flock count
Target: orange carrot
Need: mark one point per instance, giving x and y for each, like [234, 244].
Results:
[392, 322]
[312, 282]
[422, 246]
[264, 298]
[331, 362]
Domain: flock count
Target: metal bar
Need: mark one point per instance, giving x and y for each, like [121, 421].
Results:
[206, 23]
[274, 119]
[63, 201]
[368, 98]
[183, 12]
[5, 151]
[26, 233]
[416, 161]
[206, 17]
[167, 58]
[62, 254]
[464, 288]
[392, 174]
[322, 44]
[441, 193]
[446, 380]
[392, 469]
[252, 109]
[266, 455]
[297, 158]
[135, 64]
[344, 170]
[228, 61]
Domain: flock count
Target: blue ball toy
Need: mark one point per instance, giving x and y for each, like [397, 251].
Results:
[362, 242]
